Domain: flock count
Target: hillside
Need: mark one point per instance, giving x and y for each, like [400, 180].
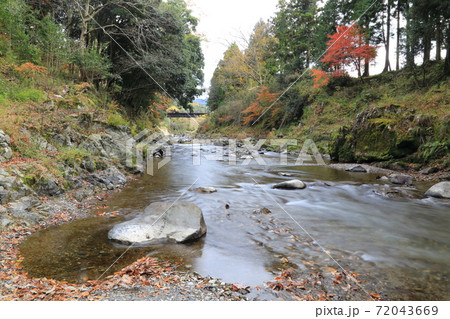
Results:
[396, 117]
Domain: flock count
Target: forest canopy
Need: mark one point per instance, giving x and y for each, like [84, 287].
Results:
[135, 49]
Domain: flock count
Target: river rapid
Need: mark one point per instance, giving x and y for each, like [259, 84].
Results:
[400, 247]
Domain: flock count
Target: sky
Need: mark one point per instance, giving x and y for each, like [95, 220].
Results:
[222, 22]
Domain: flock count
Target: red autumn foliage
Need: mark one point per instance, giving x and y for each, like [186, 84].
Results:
[264, 101]
[347, 47]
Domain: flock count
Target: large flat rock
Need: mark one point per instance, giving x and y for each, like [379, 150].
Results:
[179, 222]
[441, 190]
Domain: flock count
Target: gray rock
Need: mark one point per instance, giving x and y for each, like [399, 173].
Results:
[285, 174]
[4, 196]
[3, 210]
[5, 147]
[108, 179]
[51, 187]
[441, 190]
[5, 222]
[393, 193]
[180, 222]
[88, 165]
[263, 210]
[401, 179]
[208, 190]
[357, 169]
[429, 170]
[294, 184]
[82, 194]
[383, 179]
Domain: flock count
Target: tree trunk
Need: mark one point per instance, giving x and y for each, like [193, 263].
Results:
[84, 25]
[426, 42]
[397, 64]
[387, 65]
[438, 41]
[366, 68]
[409, 49]
[447, 58]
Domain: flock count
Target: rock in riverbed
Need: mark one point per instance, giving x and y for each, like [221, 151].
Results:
[207, 190]
[401, 179]
[441, 190]
[180, 222]
[294, 184]
[357, 169]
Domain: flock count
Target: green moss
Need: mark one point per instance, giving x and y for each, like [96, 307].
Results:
[116, 120]
[29, 180]
[72, 156]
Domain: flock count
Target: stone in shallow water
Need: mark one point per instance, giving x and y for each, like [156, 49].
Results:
[294, 184]
[180, 222]
[401, 179]
[441, 190]
[357, 169]
[207, 190]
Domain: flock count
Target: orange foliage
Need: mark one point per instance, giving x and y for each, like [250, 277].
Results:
[225, 119]
[321, 78]
[159, 106]
[31, 69]
[264, 101]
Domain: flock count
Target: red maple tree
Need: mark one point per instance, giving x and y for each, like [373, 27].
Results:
[347, 47]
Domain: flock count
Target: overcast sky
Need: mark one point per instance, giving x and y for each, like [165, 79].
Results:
[223, 21]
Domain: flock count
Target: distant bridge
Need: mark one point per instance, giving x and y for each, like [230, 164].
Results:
[185, 115]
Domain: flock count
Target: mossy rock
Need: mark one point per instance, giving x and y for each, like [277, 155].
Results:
[378, 134]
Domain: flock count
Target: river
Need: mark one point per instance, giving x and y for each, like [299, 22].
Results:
[400, 245]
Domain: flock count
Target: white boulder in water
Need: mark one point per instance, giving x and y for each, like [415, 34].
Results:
[294, 184]
[180, 222]
[441, 190]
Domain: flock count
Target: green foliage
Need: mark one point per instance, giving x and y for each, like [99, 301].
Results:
[93, 65]
[53, 43]
[18, 32]
[294, 26]
[26, 95]
[116, 120]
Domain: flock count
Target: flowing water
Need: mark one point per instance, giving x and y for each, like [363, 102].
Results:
[401, 244]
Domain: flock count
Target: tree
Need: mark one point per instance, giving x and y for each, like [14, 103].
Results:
[17, 31]
[260, 49]
[367, 14]
[387, 63]
[294, 25]
[230, 76]
[347, 47]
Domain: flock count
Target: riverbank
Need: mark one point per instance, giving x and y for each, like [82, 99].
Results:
[146, 279]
